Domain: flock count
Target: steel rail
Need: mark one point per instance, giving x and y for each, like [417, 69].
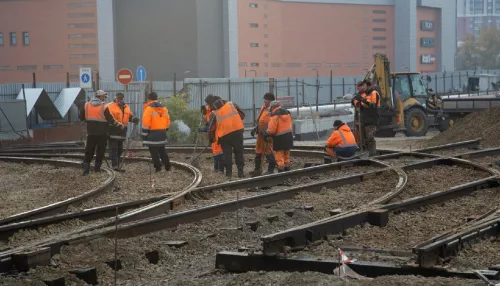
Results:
[60, 206]
[110, 210]
[375, 214]
[170, 220]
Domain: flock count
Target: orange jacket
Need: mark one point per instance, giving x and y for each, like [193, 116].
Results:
[145, 105]
[216, 147]
[155, 123]
[342, 137]
[208, 112]
[122, 116]
[264, 116]
[281, 128]
[228, 120]
[94, 111]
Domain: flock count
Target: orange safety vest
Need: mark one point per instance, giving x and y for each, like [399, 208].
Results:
[342, 137]
[374, 98]
[145, 105]
[118, 115]
[264, 116]
[280, 124]
[155, 118]
[95, 112]
[228, 120]
[216, 147]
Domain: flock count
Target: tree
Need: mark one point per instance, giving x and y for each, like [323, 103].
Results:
[482, 52]
[468, 54]
[489, 48]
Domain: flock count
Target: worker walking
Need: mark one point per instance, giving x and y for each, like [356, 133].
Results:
[263, 146]
[280, 128]
[226, 127]
[155, 123]
[341, 144]
[98, 121]
[117, 135]
[218, 156]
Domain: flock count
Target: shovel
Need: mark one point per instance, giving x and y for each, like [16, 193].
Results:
[195, 162]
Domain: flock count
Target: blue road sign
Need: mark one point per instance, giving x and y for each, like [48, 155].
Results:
[85, 78]
[141, 73]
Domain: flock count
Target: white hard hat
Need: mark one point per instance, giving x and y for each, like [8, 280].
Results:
[101, 93]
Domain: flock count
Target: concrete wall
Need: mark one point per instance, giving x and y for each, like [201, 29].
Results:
[168, 37]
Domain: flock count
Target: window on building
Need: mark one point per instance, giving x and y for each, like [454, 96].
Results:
[366, 47]
[81, 36]
[242, 64]
[82, 46]
[266, 45]
[254, 25]
[81, 25]
[254, 45]
[4, 68]
[254, 64]
[1, 39]
[366, 38]
[13, 39]
[52, 67]
[379, 38]
[265, 26]
[378, 29]
[333, 65]
[378, 20]
[497, 6]
[254, 5]
[25, 68]
[379, 11]
[378, 47]
[266, 65]
[82, 56]
[81, 15]
[352, 65]
[275, 65]
[314, 65]
[82, 4]
[293, 65]
[265, 16]
[75, 67]
[26, 38]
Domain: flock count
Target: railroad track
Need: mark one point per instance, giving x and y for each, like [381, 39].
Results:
[161, 222]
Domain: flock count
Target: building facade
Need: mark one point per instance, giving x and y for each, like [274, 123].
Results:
[49, 38]
[474, 15]
[223, 38]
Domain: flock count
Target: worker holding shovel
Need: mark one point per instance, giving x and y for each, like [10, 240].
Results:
[263, 146]
[123, 115]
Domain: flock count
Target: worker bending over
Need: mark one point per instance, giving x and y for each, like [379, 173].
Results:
[280, 128]
[226, 127]
[341, 144]
[369, 105]
[122, 114]
[263, 146]
[95, 113]
[206, 110]
[155, 123]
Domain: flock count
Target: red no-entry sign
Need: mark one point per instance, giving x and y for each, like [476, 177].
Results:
[124, 76]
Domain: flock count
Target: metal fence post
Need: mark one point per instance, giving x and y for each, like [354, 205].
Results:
[26, 112]
[253, 101]
[201, 92]
[436, 81]
[175, 84]
[34, 80]
[331, 85]
[343, 86]
[452, 84]
[289, 92]
[444, 81]
[303, 92]
[297, 94]
[276, 87]
[271, 85]
[229, 88]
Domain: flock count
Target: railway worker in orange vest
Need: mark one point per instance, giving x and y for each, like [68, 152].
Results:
[155, 123]
[369, 115]
[263, 146]
[280, 128]
[122, 114]
[98, 124]
[341, 144]
[206, 110]
[226, 127]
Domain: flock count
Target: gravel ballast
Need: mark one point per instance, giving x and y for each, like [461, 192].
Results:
[480, 255]
[26, 187]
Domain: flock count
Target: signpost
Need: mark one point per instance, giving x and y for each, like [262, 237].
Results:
[86, 77]
[124, 76]
[140, 74]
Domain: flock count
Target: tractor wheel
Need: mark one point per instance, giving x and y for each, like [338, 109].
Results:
[446, 124]
[416, 122]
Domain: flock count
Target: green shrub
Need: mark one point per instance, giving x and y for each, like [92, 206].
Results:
[178, 110]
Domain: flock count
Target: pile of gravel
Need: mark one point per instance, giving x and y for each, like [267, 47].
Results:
[483, 124]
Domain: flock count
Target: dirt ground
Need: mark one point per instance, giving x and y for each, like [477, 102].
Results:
[479, 255]
[26, 187]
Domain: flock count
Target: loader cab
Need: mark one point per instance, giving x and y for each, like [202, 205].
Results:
[409, 85]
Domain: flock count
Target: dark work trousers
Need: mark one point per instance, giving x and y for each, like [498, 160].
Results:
[157, 153]
[219, 163]
[97, 144]
[233, 142]
[115, 151]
